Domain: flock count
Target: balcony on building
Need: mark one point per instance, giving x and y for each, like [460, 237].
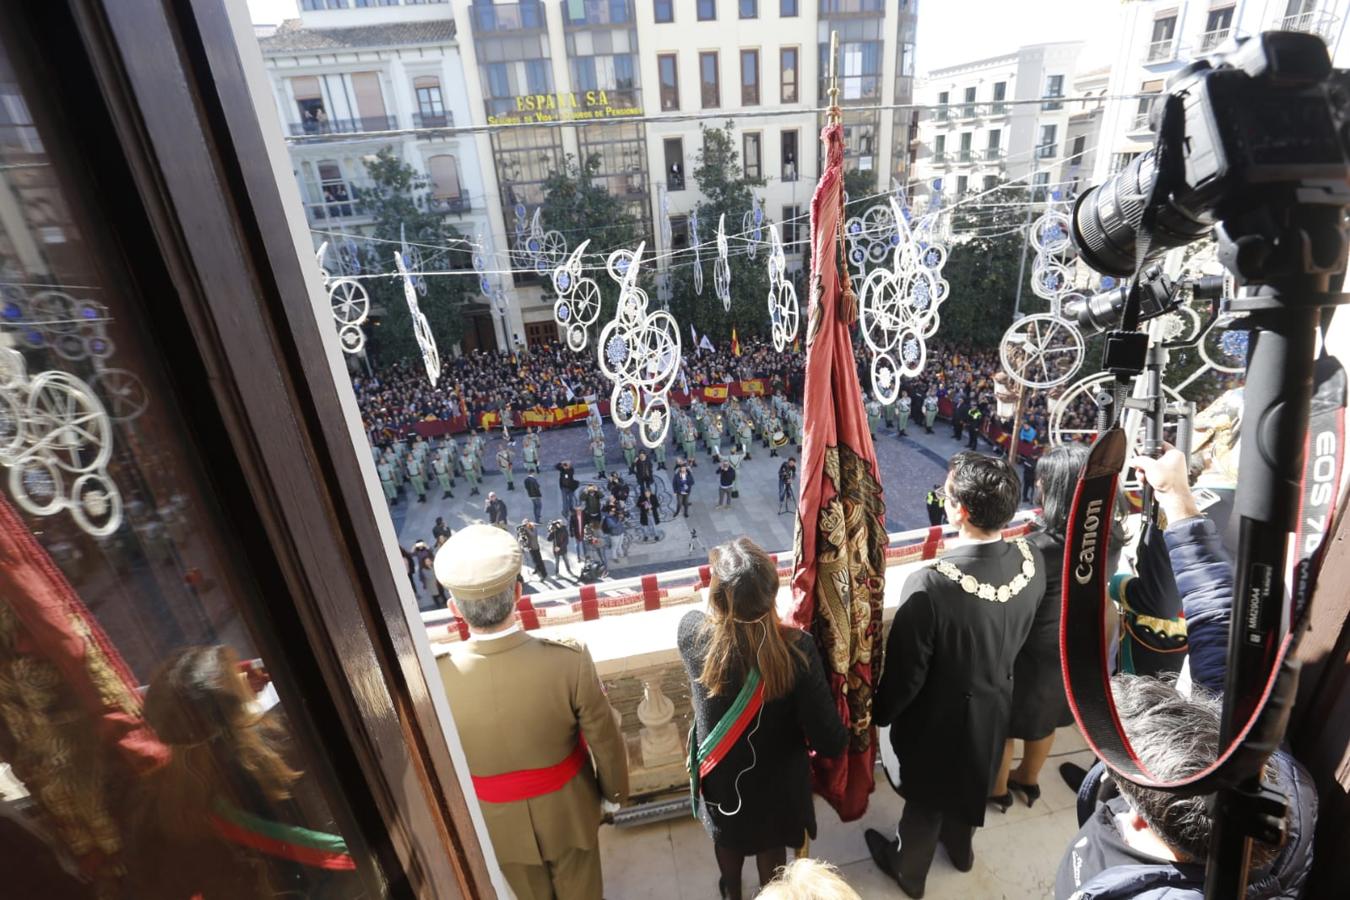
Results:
[852, 8]
[992, 155]
[597, 12]
[1211, 39]
[968, 110]
[1052, 102]
[1319, 22]
[454, 204]
[942, 113]
[964, 155]
[526, 15]
[334, 210]
[941, 159]
[433, 120]
[1047, 151]
[1161, 51]
[321, 125]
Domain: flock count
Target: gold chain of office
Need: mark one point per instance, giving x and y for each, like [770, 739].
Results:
[1004, 592]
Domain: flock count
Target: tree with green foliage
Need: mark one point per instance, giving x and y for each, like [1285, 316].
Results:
[578, 205]
[983, 259]
[726, 191]
[396, 199]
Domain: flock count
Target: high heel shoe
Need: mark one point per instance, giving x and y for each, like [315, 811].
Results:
[1032, 792]
[1002, 802]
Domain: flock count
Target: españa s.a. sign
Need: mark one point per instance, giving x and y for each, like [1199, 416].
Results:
[575, 106]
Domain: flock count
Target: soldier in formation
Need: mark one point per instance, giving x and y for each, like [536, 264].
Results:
[507, 463]
[902, 408]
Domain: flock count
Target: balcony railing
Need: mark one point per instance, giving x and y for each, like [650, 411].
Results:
[335, 209]
[1318, 22]
[433, 120]
[941, 158]
[993, 154]
[1053, 101]
[1211, 39]
[1047, 151]
[456, 204]
[525, 15]
[344, 126]
[942, 114]
[964, 155]
[967, 110]
[998, 108]
[1161, 51]
[1140, 122]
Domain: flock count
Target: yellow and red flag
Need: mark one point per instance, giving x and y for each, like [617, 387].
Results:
[839, 564]
[735, 344]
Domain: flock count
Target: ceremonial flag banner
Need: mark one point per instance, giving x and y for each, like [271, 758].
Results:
[839, 555]
[735, 344]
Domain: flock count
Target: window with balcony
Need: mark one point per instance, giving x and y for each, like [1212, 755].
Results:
[674, 152]
[446, 193]
[835, 7]
[668, 74]
[968, 107]
[999, 106]
[788, 64]
[1162, 43]
[940, 148]
[752, 155]
[679, 232]
[1040, 186]
[1302, 15]
[708, 81]
[430, 106]
[1054, 91]
[1079, 145]
[1046, 147]
[525, 14]
[1120, 160]
[787, 145]
[788, 8]
[1218, 24]
[962, 185]
[664, 11]
[707, 10]
[335, 193]
[994, 149]
[749, 77]
[943, 111]
[990, 182]
[966, 139]
[1150, 89]
[597, 12]
[749, 9]
[794, 227]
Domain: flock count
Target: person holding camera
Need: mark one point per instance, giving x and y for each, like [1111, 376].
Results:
[946, 689]
[1136, 841]
[682, 484]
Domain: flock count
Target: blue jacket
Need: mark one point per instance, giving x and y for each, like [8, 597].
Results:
[1205, 580]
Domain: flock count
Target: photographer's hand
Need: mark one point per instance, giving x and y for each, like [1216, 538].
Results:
[1168, 477]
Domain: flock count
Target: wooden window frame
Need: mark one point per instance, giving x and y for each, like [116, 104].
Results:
[660, 86]
[717, 79]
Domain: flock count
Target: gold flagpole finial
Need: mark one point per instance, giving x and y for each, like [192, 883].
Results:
[835, 115]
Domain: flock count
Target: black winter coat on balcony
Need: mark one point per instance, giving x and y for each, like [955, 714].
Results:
[775, 775]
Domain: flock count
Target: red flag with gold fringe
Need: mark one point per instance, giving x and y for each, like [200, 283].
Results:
[839, 564]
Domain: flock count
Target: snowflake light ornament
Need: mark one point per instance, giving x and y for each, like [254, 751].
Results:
[578, 303]
[1045, 350]
[783, 310]
[546, 249]
[698, 259]
[752, 225]
[872, 237]
[639, 351]
[722, 267]
[426, 341]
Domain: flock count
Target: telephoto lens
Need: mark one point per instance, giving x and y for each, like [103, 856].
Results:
[1106, 220]
[1100, 312]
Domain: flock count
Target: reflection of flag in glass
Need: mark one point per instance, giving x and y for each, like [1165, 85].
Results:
[839, 555]
[735, 344]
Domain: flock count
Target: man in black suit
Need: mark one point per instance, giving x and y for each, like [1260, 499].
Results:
[946, 690]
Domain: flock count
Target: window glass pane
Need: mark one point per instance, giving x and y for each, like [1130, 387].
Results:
[707, 66]
[707, 10]
[749, 77]
[665, 10]
[670, 88]
[749, 9]
[787, 8]
[674, 153]
[751, 156]
[143, 741]
[788, 65]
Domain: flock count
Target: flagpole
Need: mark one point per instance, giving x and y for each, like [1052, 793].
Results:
[848, 306]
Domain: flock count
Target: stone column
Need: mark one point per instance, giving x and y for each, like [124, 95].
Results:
[659, 736]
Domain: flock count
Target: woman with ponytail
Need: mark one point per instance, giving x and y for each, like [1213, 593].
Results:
[761, 704]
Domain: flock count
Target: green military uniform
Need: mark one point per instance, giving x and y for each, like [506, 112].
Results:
[629, 446]
[687, 438]
[873, 416]
[598, 454]
[417, 478]
[661, 454]
[523, 703]
[888, 414]
[531, 453]
[747, 436]
[506, 462]
[902, 414]
[442, 470]
[470, 472]
[387, 480]
[452, 451]
[930, 410]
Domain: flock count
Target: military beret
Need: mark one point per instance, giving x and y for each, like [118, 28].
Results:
[478, 561]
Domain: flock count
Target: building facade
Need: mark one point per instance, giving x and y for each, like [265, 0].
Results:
[1158, 38]
[349, 80]
[977, 128]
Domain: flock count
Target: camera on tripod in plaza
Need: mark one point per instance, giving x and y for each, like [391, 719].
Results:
[1159, 295]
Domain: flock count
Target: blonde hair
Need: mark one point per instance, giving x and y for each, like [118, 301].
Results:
[808, 879]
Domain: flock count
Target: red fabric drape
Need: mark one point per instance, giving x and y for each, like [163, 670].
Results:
[839, 566]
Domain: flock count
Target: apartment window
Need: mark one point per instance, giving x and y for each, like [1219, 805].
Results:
[430, 106]
[668, 75]
[707, 10]
[990, 182]
[664, 11]
[943, 104]
[1217, 26]
[674, 148]
[1079, 144]
[939, 147]
[749, 9]
[787, 88]
[968, 108]
[1045, 147]
[1054, 87]
[787, 8]
[1121, 160]
[962, 185]
[1160, 45]
[334, 189]
[1040, 185]
[995, 145]
[1000, 95]
[792, 227]
[752, 155]
[679, 232]
[788, 154]
[707, 73]
[749, 77]
[444, 172]
[966, 140]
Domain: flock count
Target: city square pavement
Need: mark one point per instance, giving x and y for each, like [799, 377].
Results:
[910, 466]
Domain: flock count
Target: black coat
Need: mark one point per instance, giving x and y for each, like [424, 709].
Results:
[776, 791]
[946, 689]
[1039, 703]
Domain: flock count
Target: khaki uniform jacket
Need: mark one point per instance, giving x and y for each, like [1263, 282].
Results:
[518, 702]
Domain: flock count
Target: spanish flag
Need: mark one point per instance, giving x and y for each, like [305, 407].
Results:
[735, 344]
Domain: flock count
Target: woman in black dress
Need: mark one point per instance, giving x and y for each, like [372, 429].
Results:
[757, 801]
[1039, 704]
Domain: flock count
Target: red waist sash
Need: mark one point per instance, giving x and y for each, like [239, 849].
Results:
[526, 784]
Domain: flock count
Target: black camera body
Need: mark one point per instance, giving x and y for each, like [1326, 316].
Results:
[1262, 123]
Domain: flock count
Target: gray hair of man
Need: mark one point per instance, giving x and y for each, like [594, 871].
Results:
[1175, 736]
[486, 613]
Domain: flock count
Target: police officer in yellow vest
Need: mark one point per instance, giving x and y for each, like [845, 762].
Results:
[539, 735]
[936, 504]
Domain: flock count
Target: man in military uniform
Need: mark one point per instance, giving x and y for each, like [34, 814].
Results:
[873, 409]
[598, 454]
[661, 453]
[506, 462]
[417, 478]
[387, 480]
[930, 411]
[628, 444]
[442, 470]
[902, 408]
[539, 736]
[688, 435]
[530, 452]
[466, 462]
[746, 434]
